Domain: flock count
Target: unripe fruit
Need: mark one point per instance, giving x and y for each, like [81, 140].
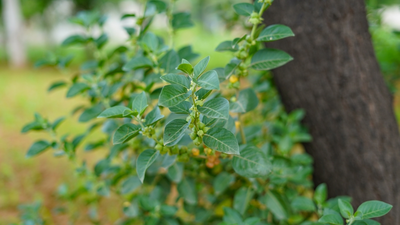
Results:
[243, 54]
[242, 66]
[254, 15]
[195, 151]
[183, 150]
[184, 157]
[191, 125]
[197, 141]
[233, 99]
[202, 125]
[200, 133]
[164, 150]
[206, 129]
[174, 150]
[193, 135]
[159, 147]
[233, 79]
[224, 155]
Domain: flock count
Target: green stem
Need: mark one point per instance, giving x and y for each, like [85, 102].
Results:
[171, 31]
[264, 7]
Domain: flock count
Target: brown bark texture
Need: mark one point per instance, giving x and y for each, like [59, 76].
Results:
[335, 77]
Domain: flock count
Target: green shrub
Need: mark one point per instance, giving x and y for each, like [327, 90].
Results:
[186, 145]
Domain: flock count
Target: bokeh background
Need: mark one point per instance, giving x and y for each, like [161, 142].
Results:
[35, 32]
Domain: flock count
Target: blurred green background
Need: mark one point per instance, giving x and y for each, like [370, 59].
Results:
[23, 88]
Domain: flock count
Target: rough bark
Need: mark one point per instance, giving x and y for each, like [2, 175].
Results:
[335, 77]
[14, 33]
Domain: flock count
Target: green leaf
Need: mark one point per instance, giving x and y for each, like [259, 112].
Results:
[231, 216]
[177, 79]
[175, 172]
[125, 133]
[242, 199]
[275, 32]
[57, 85]
[222, 140]
[137, 63]
[130, 184]
[181, 108]
[37, 147]
[169, 61]
[187, 191]
[215, 108]
[227, 46]
[139, 103]
[145, 159]
[32, 126]
[276, 204]
[101, 41]
[74, 40]
[238, 40]
[90, 113]
[172, 95]
[200, 67]
[331, 219]
[168, 210]
[202, 93]
[150, 40]
[252, 221]
[372, 209]
[222, 182]
[251, 163]
[269, 58]
[321, 194]
[185, 67]
[301, 203]
[153, 117]
[246, 101]
[244, 9]
[127, 15]
[209, 80]
[366, 222]
[174, 131]
[77, 88]
[181, 20]
[345, 208]
[113, 112]
[186, 52]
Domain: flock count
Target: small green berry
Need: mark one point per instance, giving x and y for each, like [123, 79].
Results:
[202, 125]
[200, 133]
[197, 141]
[159, 147]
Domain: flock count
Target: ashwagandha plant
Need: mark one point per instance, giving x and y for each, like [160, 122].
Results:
[187, 145]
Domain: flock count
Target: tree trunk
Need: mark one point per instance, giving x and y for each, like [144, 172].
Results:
[14, 33]
[335, 77]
